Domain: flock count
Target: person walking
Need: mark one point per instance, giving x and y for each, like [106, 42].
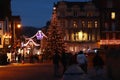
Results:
[64, 61]
[82, 61]
[56, 60]
[98, 63]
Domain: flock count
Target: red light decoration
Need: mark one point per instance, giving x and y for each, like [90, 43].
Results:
[110, 42]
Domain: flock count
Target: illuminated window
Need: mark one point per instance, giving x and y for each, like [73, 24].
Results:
[85, 36]
[73, 38]
[96, 24]
[77, 37]
[89, 24]
[93, 37]
[75, 24]
[80, 34]
[71, 48]
[113, 15]
[89, 36]
[83, 23]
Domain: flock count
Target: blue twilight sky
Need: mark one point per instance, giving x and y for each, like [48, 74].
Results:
[34, 12]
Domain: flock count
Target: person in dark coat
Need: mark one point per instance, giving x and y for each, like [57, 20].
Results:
[64, 61]
[98, 62]
[56, 60]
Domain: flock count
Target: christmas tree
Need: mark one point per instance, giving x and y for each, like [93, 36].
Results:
[55, 33]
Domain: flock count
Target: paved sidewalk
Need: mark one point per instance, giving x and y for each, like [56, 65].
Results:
[102, 74]
[91, 72]
[91, 75]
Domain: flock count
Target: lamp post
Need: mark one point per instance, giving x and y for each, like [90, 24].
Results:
[16, 33]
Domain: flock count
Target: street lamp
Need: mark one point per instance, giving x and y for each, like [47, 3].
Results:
[16, 33]
[19, 26]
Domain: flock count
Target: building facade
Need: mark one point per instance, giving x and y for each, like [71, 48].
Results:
[81, 24]
[5, 14]
[110, 23]
[8, 25]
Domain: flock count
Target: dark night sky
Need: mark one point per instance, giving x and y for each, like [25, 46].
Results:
[34, 12]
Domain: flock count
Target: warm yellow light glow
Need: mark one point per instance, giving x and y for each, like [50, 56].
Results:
[19, 25]
[89, 24]
[83, 23]
[85, 36]
[80, 34]
[7, 36]
[72, 37]
[113, 15]
[75, 24]
[71, 49]
[96, 24]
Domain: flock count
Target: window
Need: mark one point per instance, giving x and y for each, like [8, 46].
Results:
[73, 37]
[89, 24]
[89, 14]
[75, 13]
[112, 15]
[80, 34]
[96, 24]
[75, 24]
[106, 26]
[83, 23]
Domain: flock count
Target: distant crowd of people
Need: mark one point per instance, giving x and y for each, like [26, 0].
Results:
[20, 56]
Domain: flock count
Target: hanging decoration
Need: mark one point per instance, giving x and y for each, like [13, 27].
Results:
[31, 41]
[39, 35]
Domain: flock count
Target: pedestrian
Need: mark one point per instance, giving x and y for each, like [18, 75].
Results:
[16, 55]
[98, 63]
[74, 72]
[19, 57]
[56, 60]
[82, 61]
[64, 61]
